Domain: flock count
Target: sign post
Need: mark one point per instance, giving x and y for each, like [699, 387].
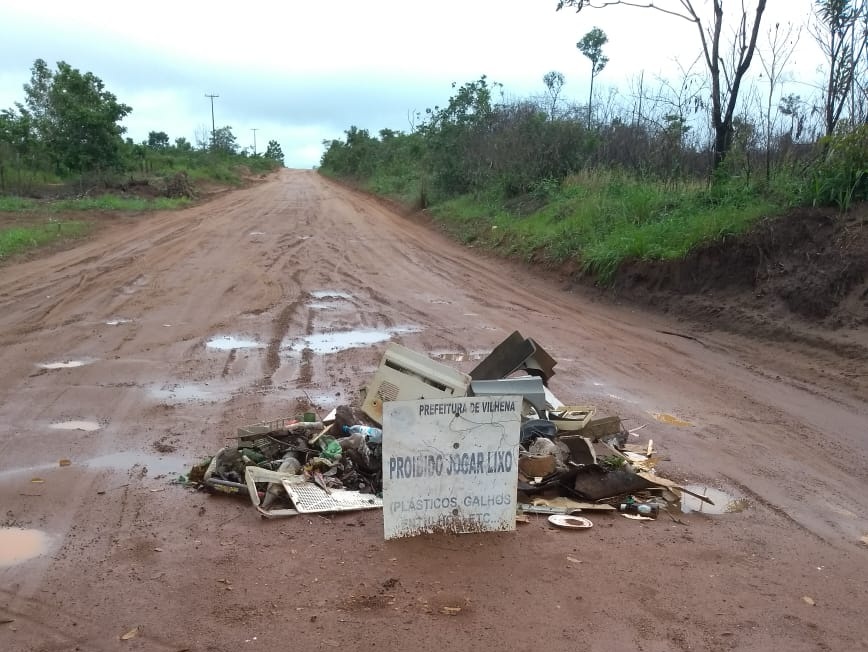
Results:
[450, 465]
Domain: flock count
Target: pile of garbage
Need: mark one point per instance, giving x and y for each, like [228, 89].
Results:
[569, 459]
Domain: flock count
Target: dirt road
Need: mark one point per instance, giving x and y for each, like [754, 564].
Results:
[188, 324]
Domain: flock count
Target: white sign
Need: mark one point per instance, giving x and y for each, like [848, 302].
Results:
[450, 465]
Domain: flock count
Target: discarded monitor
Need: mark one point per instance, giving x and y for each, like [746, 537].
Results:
[514, 353]
[405, 375]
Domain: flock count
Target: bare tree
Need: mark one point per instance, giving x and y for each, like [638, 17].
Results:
[726, 72]
[859, 108]
[637, 86]
[781, 45]
[554, 82]
[837, 32]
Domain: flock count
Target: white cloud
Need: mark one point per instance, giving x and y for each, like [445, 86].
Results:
[304, 71]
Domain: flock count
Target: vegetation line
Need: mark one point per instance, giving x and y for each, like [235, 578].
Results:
[15, 240]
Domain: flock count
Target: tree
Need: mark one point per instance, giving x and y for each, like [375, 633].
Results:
[591, 46]
[554, 82]
[726, 72]
[781, 45]
[450, 133]
[837, 32]
[274, 152]
[224, 141]
[793, 107]
[183, 145]
[158, 139]
[74, 117]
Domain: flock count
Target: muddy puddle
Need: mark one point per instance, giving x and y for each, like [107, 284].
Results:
[136, 284]
[136, 460]
[336, 341]
[331, 294]
[86, 426]
[229, 342]
[18, 545]
[670, 419]
[181, 393]
[24, 470]
[324, 305]
[724, 503]
[122, 461]
[64, 364]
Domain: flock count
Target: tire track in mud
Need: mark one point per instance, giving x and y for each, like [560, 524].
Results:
[279, 330]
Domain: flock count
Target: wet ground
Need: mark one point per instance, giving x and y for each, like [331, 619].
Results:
[141, 351]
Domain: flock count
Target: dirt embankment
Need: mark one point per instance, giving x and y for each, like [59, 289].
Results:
[801, 276]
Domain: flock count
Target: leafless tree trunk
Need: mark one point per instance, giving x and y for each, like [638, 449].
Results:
[839, 31]
[781, 45]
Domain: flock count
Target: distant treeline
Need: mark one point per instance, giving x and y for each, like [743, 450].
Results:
[513, 147]
[68, 128]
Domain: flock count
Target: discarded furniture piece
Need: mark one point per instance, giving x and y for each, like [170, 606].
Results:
[529, 388]
[514, 353]
[405, 375]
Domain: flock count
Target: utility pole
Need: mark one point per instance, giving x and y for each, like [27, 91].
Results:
[254, 140]
[213, 130]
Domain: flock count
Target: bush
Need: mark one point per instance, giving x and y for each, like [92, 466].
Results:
[841, 176]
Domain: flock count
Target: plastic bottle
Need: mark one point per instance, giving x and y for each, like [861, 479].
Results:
[372, 435]
[643, 509]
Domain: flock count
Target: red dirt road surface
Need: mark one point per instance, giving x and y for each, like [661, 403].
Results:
[288, 268]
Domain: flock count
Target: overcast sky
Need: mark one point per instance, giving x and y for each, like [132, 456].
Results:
[301, 71]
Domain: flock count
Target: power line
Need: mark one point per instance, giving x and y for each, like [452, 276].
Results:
[213, 130]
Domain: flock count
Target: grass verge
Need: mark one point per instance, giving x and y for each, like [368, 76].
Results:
[601, 219]
[18, 239]
[101, 203]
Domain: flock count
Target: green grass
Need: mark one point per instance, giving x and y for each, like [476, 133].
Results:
[16, 240]
[102, 203]
[16, 204]
[601, 219]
